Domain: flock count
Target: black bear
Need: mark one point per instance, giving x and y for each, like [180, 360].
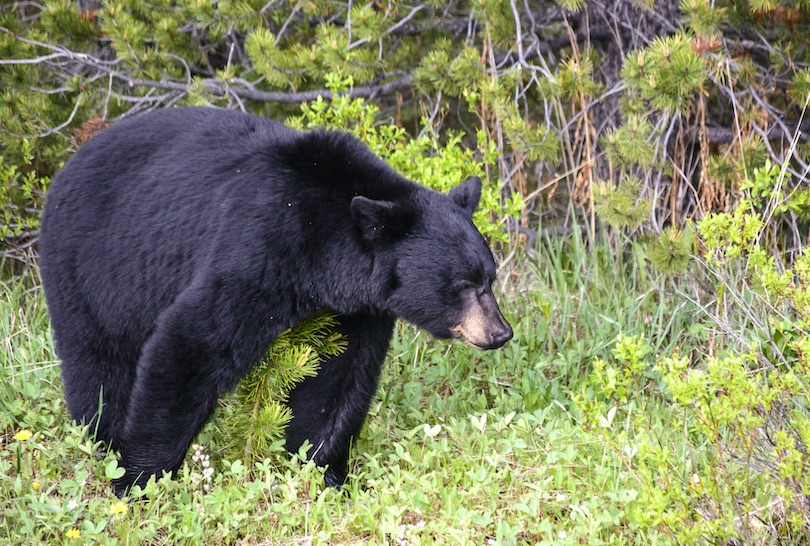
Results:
[177, 245]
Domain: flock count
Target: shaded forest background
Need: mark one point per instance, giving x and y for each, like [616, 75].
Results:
[637, 114]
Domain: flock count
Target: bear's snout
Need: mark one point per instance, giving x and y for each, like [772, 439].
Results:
[482, 324]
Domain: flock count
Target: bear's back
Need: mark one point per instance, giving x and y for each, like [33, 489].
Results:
[151, 202]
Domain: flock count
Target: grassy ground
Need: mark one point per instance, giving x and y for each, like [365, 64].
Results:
[460, 447]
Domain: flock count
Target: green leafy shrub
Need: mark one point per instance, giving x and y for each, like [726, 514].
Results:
[21, 191]
[767, 193]
[728, 460]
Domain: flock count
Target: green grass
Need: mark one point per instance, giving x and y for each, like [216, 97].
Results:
[460, 447]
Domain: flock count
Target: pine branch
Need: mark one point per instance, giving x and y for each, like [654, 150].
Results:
[245, 90]
[239, 88]
[259, 412]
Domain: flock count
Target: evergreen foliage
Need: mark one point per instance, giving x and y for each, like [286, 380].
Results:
[631, 144]
[255, 414]
[620, 206]
[671, 252]
[667, 74]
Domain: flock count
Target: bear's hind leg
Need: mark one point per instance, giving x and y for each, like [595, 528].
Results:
[329, 409]
[97, 382]
[97, 399]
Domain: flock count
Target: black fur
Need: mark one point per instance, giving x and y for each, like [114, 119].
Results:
[177, 245]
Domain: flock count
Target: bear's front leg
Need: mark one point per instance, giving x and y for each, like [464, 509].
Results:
[329, 409]
[203, 344]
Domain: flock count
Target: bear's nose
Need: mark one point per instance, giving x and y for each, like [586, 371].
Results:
[500, 336]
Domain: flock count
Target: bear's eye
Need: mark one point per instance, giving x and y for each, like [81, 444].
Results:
[460, 286]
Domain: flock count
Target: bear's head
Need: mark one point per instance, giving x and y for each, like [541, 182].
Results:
[437, 269]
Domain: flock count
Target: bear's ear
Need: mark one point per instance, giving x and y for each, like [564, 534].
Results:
[378, 219]
[467, 194]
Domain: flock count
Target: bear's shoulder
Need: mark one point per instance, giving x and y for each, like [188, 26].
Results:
[336, 161]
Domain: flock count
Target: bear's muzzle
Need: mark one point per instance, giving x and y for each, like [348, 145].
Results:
[482, 324]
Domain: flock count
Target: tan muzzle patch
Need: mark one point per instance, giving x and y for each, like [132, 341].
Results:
[482, 325]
